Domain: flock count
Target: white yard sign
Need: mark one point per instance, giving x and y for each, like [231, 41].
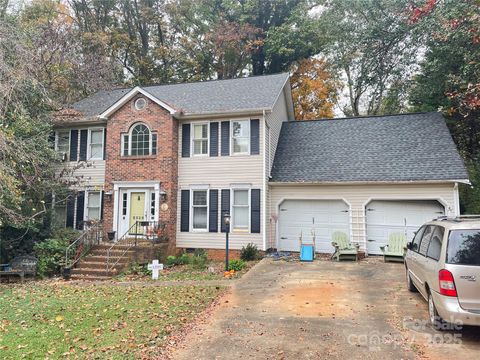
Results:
[155, 267]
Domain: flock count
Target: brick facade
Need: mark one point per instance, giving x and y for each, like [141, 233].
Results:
[161, 167]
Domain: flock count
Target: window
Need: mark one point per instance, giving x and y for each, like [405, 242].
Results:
[417, 238]
[200, 139]
[139, 142]
[426, 240]
[124, 204]
[464, 247]
[241, 137]
[241, 210]
[435, 246]
[63, 142]
[95, 145]
[199, 209]
[60, 215]
[152, 204]
[93, 205]
[140, 103]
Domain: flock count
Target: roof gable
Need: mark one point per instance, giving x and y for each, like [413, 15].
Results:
[397, 148]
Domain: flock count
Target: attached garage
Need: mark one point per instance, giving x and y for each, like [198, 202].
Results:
[308, 217]
[385, 217]
[394, 172]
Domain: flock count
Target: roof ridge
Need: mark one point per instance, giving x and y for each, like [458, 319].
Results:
[364, 117]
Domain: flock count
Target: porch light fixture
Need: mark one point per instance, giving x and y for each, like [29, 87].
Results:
[163, 196]
[108, 195]
[226, 221]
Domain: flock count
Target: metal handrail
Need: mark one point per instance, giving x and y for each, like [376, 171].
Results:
[82, 244]
[129, 240]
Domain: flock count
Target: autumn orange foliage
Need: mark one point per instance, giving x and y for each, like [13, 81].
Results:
[314, 90]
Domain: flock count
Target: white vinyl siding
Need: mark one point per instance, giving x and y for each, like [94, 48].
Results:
[220, 172]
[358, 196]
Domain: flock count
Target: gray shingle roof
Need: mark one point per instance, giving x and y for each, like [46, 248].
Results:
[409, 147]
[257, 92]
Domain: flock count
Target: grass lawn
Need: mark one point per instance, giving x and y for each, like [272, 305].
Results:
[45, 320]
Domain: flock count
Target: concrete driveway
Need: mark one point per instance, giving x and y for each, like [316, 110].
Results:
[292, 310]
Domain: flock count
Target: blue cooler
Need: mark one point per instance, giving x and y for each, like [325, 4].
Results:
[307, 252]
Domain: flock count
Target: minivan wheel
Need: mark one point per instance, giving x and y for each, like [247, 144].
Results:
[435, 320]
[410, 286]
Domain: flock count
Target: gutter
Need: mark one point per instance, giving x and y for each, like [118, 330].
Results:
[292, 183]
[209, 114]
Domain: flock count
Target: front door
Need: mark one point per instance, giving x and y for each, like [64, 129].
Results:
[137, 211]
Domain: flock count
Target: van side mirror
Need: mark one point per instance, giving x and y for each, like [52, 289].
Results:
[410, 245]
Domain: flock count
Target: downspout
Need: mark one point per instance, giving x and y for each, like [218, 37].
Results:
[265, 184]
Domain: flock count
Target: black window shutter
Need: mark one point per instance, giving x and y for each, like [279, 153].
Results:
[102, 193]
[80, 207]
[83, 145]
[104, 144]
[186, 140]
[214, 139]
[225, 138]
[225, 207]
[255, 211]
[254, 137]
[73, 145]
[213, 212]
[70, 211]
[51, 139]
[185, 211]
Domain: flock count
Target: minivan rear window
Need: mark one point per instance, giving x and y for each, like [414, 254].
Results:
[464, 247]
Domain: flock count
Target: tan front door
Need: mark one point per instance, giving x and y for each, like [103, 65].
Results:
[137, 210]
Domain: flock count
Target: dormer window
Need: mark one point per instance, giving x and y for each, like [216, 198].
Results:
[140, 141]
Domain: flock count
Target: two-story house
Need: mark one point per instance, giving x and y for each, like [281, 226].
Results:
[184, 155]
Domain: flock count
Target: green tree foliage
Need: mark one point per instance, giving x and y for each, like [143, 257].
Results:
[449, 79]
[371, 44]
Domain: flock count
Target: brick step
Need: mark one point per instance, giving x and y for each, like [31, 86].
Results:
[90, 278]
[94, 272]
[83, 264]
[117, 252]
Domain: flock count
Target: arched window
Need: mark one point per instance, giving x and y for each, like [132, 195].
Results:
[139, 141]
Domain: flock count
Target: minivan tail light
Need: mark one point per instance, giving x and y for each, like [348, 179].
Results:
[447, 285]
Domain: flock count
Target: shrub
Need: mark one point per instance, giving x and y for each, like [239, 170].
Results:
[183, 259]
[51, 252]
[249, 252]
[171, 260]
[237, 264]
[199, 259]
[51, 256]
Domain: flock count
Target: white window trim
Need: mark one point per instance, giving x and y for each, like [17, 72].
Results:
[67, 153]
[89, 143]
[192, 229]
[192, 138]
[233, 153]
[129, 134]
[85, 206]
[241, 231]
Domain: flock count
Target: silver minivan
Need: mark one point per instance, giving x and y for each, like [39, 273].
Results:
[443, 263]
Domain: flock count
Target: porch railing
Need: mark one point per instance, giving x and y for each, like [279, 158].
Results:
[92, 235]
[151, 231]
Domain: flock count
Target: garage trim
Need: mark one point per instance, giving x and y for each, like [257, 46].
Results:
[277, 207]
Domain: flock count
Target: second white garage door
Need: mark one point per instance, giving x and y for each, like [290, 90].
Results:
[322, 216]
[387, 217]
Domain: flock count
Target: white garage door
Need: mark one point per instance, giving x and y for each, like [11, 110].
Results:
[387, 217]
[321, 216]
